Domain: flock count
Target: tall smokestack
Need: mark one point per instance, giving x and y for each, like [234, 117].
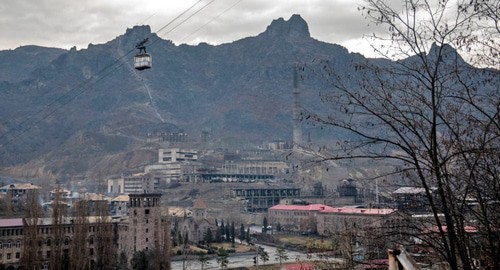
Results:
[297, 133]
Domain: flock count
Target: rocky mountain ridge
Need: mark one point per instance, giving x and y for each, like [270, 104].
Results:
[87, 112]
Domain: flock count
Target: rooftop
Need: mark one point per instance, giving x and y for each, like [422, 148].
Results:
[21, 186]
[121, 198]
[411, 190]
[360, 211]
[199, 204]
[327, 209]
[310, 207]
[11, 222]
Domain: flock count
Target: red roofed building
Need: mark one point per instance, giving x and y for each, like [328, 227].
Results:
[297, 218]
[332, 220]
[324, 219]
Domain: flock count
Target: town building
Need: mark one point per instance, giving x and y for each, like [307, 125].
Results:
[134, 183]
[144, 229]
[254, 167]
[173, 164]
[20, 192]
[37, 241]
[197, 224]
[332, 220]
[11, 241]
[116, 186]
[119, 205]
[172, 137]
[89, 240]
[278, 145]
[325, 220]
[296, 218]
[261, 199]
[412, 199]
[176, 155]
[173, 172]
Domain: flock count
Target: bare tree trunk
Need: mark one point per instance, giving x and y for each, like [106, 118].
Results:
[79, 254]
[105, 250]
[31, 250]
[56, 258]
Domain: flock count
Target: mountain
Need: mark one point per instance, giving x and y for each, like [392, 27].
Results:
[20, 64]
[87, 112]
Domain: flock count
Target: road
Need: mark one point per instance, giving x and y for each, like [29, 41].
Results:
[239, 260]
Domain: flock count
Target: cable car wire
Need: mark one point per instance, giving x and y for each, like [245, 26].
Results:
[88, 81]
[118, 60]
[211, 20]
[85, 85]
[180, 15]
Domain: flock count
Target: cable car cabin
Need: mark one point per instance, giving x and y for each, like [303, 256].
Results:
[142, 61]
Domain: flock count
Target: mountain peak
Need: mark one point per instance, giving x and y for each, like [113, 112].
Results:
[137, 33]
[445, 51]
[295, 27]
[139, 30]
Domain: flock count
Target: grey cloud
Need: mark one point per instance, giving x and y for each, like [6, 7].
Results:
[60, 23]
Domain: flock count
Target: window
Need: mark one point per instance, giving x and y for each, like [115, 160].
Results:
[18, 255]
[48, 254]
[1, 245]
[49, 242]
[18, 243]
[9, 244]
[8, 256]
[91, 252]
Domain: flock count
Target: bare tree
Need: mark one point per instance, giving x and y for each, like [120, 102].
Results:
[105, 250]
[57, 227]
[162, 247]
[31, 250]
[432, 115]
[79, 258]
[480, 38]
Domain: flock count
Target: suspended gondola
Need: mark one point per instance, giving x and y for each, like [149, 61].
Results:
[142, 59]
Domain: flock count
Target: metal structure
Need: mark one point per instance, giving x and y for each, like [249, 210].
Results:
[297, 133]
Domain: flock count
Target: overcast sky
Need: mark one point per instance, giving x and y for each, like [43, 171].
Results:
[66, 23]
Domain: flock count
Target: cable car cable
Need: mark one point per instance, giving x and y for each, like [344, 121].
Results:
[85, 85]
[82, 83]
[178, 16]
[214, 18]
